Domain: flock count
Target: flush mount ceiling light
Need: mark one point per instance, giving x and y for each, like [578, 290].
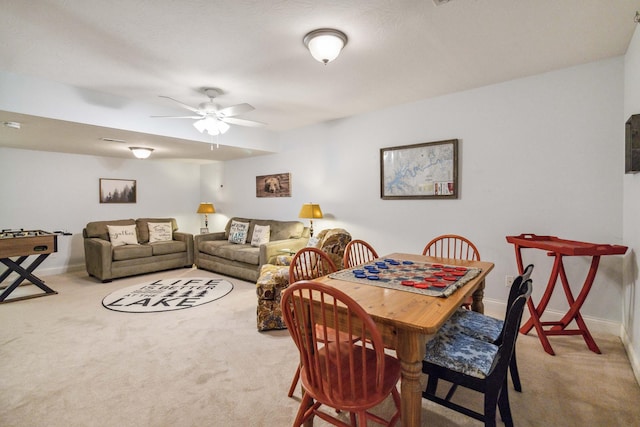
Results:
[325, 44]
[211, 126]
[141, 152]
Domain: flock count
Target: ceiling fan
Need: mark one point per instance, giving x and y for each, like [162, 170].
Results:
[211, 118]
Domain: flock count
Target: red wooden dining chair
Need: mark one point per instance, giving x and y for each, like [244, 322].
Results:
[345, 375]
[358, 252]
[308, 264]
[454, 247]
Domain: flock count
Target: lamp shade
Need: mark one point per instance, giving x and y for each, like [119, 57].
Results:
[325, 44]
[311, 211]
[141, 152]
[206, 208]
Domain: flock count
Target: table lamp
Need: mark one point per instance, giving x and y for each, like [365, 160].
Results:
[206, 208]
[310, 211]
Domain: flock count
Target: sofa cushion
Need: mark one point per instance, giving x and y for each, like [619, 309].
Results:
[260, 235]
[227, 229]
[159, 231]
[99, 228]
[122, 253]
[143, 227]
[121, 235]
[281, 230]
[168, 247]
[231, 251]
[238, 232]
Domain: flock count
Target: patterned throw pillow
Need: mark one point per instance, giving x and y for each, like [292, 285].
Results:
[260, 235]
[121, 235]
[159, 231]
[238, 232]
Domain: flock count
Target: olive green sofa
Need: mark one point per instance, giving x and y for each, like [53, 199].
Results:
[214, 251]
[106, 262]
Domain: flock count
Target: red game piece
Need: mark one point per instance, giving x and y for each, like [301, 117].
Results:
[450, 278]
[437, 265]
[407, 283]
[461, 268]
[439, 274]
[421, 285]
[459, 273]
[440, 284]
[448, 270]
[430, 279]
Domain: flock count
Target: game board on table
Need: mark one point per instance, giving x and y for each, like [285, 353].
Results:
[424, 278]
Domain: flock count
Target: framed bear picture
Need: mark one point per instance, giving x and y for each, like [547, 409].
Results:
[275, 185]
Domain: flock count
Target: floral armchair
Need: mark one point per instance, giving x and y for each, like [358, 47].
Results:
[274, 278]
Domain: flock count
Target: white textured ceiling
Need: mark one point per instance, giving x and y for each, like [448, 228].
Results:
[399, 51]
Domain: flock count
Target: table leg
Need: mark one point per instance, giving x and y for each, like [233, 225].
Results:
[575, 305]
[411, 350]
[477, 304]
[536, 312]
[23, 275]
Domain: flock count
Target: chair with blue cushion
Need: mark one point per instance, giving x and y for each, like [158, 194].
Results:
[477, 365]
[487, 328]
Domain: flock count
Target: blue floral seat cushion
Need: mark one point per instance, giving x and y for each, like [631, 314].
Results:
[473, 324]
[461, 353]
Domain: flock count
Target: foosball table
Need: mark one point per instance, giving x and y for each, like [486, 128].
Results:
[22, 244]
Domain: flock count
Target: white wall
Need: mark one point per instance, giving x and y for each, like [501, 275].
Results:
[631, 212]
[538, 155]
[54, 191]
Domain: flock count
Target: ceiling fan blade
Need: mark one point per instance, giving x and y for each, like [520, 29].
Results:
[178, 117]
[242, 122]
[234, 110]
[188, 107]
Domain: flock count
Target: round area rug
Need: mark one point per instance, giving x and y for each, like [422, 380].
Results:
[167, 295]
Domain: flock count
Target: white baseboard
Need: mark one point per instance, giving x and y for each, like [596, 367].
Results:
[496, 309]
[51, 271]
[633, 357]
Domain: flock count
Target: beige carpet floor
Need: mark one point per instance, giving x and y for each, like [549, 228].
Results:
[67, 361]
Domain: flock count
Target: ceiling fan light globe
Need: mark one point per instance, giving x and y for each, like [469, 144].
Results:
[200, 125]
[223, 127]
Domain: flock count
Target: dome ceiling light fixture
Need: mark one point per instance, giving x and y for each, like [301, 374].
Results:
[325, 44]
[141, 152]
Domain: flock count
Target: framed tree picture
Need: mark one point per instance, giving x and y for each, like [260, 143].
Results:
[118, 190]
[420, 171]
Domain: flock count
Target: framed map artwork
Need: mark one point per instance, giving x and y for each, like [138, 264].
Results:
[420, 171]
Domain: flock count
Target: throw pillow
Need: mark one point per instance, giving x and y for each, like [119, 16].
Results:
[159, 231]
[260, 235]
[121, 235]
[238, 232]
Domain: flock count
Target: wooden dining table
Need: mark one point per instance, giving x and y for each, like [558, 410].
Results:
[408, 320]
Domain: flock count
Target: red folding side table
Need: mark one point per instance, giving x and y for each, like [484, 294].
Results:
[560, 248]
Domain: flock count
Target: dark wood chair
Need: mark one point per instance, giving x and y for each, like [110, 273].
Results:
[345, 375]
[477, 365]
[487, 328]
[358, 252]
